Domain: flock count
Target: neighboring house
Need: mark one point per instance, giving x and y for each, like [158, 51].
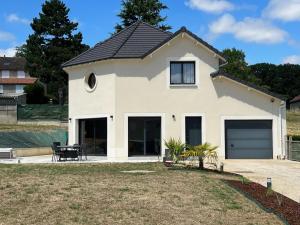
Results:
[13, 77]
[143, 85]
[295, 103]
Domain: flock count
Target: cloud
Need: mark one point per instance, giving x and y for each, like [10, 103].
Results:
[285, 10]
[249, 30]
[292, 59]
[9, 52]
[14, 18]
[210, 6]
[6, 36]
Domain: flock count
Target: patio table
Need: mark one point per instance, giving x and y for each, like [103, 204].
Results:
[68, 151]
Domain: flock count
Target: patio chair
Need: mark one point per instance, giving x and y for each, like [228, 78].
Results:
[55, 151]
[83, 151]
[77, 152]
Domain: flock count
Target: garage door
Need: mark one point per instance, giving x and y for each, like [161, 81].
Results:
[248, 139]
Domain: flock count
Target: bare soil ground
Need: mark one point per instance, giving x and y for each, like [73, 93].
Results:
[103, 194]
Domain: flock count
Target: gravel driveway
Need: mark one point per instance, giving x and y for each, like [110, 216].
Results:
[285, 174]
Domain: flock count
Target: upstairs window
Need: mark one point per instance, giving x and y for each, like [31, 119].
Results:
[182, 72]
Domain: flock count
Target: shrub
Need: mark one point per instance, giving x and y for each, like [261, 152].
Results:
[176, 147]
[35, 94]
[204, 151]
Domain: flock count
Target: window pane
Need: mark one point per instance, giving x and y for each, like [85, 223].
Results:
[175, 73]
[193, 130]
[188, 73]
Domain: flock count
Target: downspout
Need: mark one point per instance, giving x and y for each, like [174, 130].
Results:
[282, 141]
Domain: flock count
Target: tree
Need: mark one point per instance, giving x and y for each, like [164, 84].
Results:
[237, 65]
[35, 94]
[53, 42]
[203, 151]
[145, 10]
[282, 79]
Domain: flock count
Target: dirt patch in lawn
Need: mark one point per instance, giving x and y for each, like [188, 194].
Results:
[271, 200]
[102, 194]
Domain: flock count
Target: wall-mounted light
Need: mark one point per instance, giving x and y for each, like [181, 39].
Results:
[111, 117]
[70, 120]
[173, 116]
[272, 99]
[269, 182]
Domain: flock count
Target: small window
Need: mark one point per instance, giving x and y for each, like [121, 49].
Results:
[20, 74]
[91, 80]
[182, 72]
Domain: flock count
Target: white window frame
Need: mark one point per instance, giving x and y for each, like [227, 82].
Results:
[5, 73]
[75, 129]
[19, 89]
[203, 125]
[21, 74]
[182, 59]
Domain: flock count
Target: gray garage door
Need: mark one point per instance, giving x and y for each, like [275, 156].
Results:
[248, 139]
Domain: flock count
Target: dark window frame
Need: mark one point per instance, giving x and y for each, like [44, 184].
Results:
[182, 75]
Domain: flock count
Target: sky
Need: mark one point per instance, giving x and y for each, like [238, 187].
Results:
[266, 30]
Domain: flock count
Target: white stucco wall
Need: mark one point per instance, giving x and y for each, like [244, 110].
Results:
[141, 87]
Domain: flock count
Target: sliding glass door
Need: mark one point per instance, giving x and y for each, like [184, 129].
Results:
[144, 136]
[93, 134]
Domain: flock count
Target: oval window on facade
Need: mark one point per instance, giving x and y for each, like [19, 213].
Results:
[91, 81]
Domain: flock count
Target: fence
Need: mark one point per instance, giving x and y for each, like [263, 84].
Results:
[31, 139]
[293, 149]
[43, 112]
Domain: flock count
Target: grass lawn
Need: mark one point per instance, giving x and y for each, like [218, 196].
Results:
[102, 194]
[27, 127]
[293, 123]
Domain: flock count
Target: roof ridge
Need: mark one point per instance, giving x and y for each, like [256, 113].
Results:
[100, 43]
[116, 34]
[137, 24]
[148, 24]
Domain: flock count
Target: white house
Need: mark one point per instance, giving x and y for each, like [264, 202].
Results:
[143, 85]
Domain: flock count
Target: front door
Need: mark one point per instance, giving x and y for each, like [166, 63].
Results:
[193, 130]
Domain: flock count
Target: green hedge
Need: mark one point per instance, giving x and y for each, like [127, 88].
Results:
[43, 112]
[295, 137]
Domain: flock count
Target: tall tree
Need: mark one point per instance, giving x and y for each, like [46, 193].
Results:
[282, 79]
[53, 42]
[237, 65]
[148, 11]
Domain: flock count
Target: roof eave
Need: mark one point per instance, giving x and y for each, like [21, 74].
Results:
[248, 84]
[199, 40]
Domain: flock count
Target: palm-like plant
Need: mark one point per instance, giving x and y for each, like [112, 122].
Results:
[176, 147]
[203, 151]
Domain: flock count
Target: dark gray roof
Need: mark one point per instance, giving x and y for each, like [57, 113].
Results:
[136, 41]
[12, 63]
[249, 84]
